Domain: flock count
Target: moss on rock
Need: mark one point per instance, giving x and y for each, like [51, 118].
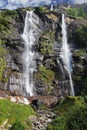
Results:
[2, 60]
[45, 75]
[46, 43]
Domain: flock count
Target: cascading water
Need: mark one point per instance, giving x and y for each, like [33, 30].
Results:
[66, 54]
[51, 9]
[28, 55]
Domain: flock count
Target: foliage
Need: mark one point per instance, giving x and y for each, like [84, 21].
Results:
[28, 123]
[69, 110]
[80, 52]
[13, 111]
[77, 12]
[9, 13]
[17, 126]
[78, 119]
[80, 36]
[84, 81]
[45, 74]
[42, 9]
[4, 25]
[68, 103]
[43, 107]
[46, 42]
[2, 60]
[6, 17]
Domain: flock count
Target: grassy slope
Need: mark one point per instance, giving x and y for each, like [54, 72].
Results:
[13, 111]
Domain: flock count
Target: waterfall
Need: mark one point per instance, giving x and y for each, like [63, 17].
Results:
[29, 54]
[66, 54]
[51, 8]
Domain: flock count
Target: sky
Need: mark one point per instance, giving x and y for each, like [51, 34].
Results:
[13, 4]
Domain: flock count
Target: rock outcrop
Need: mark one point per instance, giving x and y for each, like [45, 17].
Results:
[50, 77]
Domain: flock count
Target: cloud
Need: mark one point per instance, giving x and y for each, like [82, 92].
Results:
[3, 3]
[13, 4]
[80, 1]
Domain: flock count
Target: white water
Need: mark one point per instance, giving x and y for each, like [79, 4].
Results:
[51, 8]
[66, 54]
[28, 55]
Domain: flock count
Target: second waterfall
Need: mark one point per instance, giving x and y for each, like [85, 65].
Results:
[29, 64]
[66, 55]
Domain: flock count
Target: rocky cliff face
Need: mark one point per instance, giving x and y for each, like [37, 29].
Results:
[78, 53]
[50, 77]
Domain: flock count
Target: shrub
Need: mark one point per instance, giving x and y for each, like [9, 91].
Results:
[73, 115]
[78, 119]
[80, 37]
[77, 12]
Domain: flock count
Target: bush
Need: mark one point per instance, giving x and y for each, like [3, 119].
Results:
[80, 37]
[17, 126]
[78, 119]
[77, 12]
[72, 115]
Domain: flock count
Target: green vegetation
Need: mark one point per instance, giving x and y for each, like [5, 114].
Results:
[80, 36]
[26, 9]
[42, 9]
[45, 74]
[80, 52]
[6, 17]
[9, 13]
[68, 103]
[84, 92]
[78, 119]
[4, 25]
[2, 60]
[43, 107]
[17, 126]
[77, 12]
[14, 112]
[72, 115]
[46, 42]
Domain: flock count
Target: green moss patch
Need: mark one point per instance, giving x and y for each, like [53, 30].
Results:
[2, 60]
[46, 43]
[45, 74]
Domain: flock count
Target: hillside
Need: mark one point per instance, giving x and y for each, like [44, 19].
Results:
[38, 68]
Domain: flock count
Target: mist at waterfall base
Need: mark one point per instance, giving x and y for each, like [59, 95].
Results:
[28, 55]
[66, 55]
